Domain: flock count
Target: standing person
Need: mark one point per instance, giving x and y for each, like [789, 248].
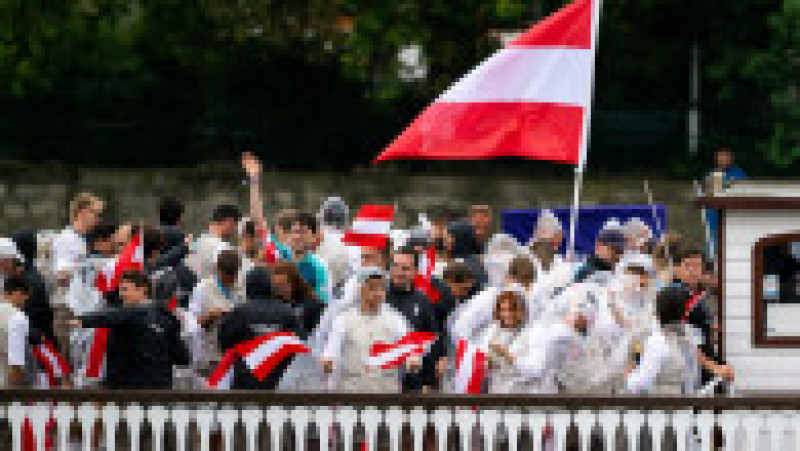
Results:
[480, 218]
[220, 236]
[336, 255]
[290, 289]
[259, 314]
[170, 218]
[346, 353]
[144, 342]
[69, 251]
[725, 172]
[37, 307]
[212, 298]
[418, 311]
[14, 332]
[303, 240]
[546, 241]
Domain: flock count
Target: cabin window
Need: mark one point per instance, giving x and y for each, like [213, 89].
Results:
[776, 290]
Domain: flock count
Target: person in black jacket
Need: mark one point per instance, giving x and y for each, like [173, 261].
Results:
[260, 314]
[417, 310]
[144, 340]
[20, 264]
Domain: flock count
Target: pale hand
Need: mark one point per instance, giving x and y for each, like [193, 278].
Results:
[251, 165]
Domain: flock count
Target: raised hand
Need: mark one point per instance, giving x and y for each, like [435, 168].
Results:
[251, 165]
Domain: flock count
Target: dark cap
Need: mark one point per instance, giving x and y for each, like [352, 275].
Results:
[612, 238]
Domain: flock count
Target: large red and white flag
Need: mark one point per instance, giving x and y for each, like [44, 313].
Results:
[391, 355]
[531, 99]
[470, 368]
[371, 227]
[131, 258]
[263, 354]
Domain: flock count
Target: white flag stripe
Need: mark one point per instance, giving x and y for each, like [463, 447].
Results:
[371, 227]
[548, 75]
[389, 356]
[54, 363]
[267, 348]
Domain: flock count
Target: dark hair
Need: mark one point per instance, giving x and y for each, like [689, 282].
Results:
[306, 220]
[690, 253]
[637, 270]
[226, 211]
[228, 262]
[409, 250]
[301, 291]
[170, 211]
[16, 284]
[138, 278]
[152, 241]
[103, 231]
[521, 269]
[510, 296]
[285, 218]
[671, 304]
[249, 228]
[458, 272]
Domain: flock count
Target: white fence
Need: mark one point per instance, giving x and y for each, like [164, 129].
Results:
[67, 420]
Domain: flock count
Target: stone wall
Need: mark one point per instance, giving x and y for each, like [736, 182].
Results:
[36, 196]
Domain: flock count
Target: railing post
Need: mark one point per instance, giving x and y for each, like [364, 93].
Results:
[299, 418]
[87, 415]
[16, 417]
[323, 417]
[251, 418]
[585, 420]
[64, 414]
[512, 419]
[682, 422]
[751, 422]
[180, 420]
[465, 421]
[347, 417]
[110, 417]
[157, 416]
[657, 420]
[561, 423]
[276, 417]
[134, 414]
[395, 418]
[609, 421]
[418, 419]
[633, 419]
[776, 424]
[204, 418]
[728, 421]
[705, 425]
[537, 422]
[371, 419]
[227, 419]
[489, 419]
[39, 417]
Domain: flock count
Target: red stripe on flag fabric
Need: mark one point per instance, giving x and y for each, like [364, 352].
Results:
[270, 250]
[49, 372]
[416, 344]
[268, 365]
[484, 130]
[365, 240]
[690, 303]
[461, 349]
[97, 352]
[246, 347]
[570, 26]
[223, 368]
[476, 381]
[173, 303]
[376, 212]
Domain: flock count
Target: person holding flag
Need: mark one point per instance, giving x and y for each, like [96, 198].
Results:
[346, 354]
[143, 341]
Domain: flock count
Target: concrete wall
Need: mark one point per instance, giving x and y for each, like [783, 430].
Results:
[36, 196]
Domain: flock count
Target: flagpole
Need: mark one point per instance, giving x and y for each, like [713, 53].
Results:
[587, 120]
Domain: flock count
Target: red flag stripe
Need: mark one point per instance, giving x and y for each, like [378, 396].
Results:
[485, 130]
[263, 354]
[571, 26]
[376, 213]
[97, 352]
[268, 365]
[221, 377]
[361, 240]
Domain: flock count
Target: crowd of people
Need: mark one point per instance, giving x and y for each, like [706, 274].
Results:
[635, 316]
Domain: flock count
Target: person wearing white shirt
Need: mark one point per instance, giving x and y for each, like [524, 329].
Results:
[219, 236]
[345, 355]
[69, 247]
[14, 330]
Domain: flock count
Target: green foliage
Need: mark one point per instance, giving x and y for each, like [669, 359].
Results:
[314, 83]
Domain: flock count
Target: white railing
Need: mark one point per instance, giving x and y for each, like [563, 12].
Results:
[163, 420]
